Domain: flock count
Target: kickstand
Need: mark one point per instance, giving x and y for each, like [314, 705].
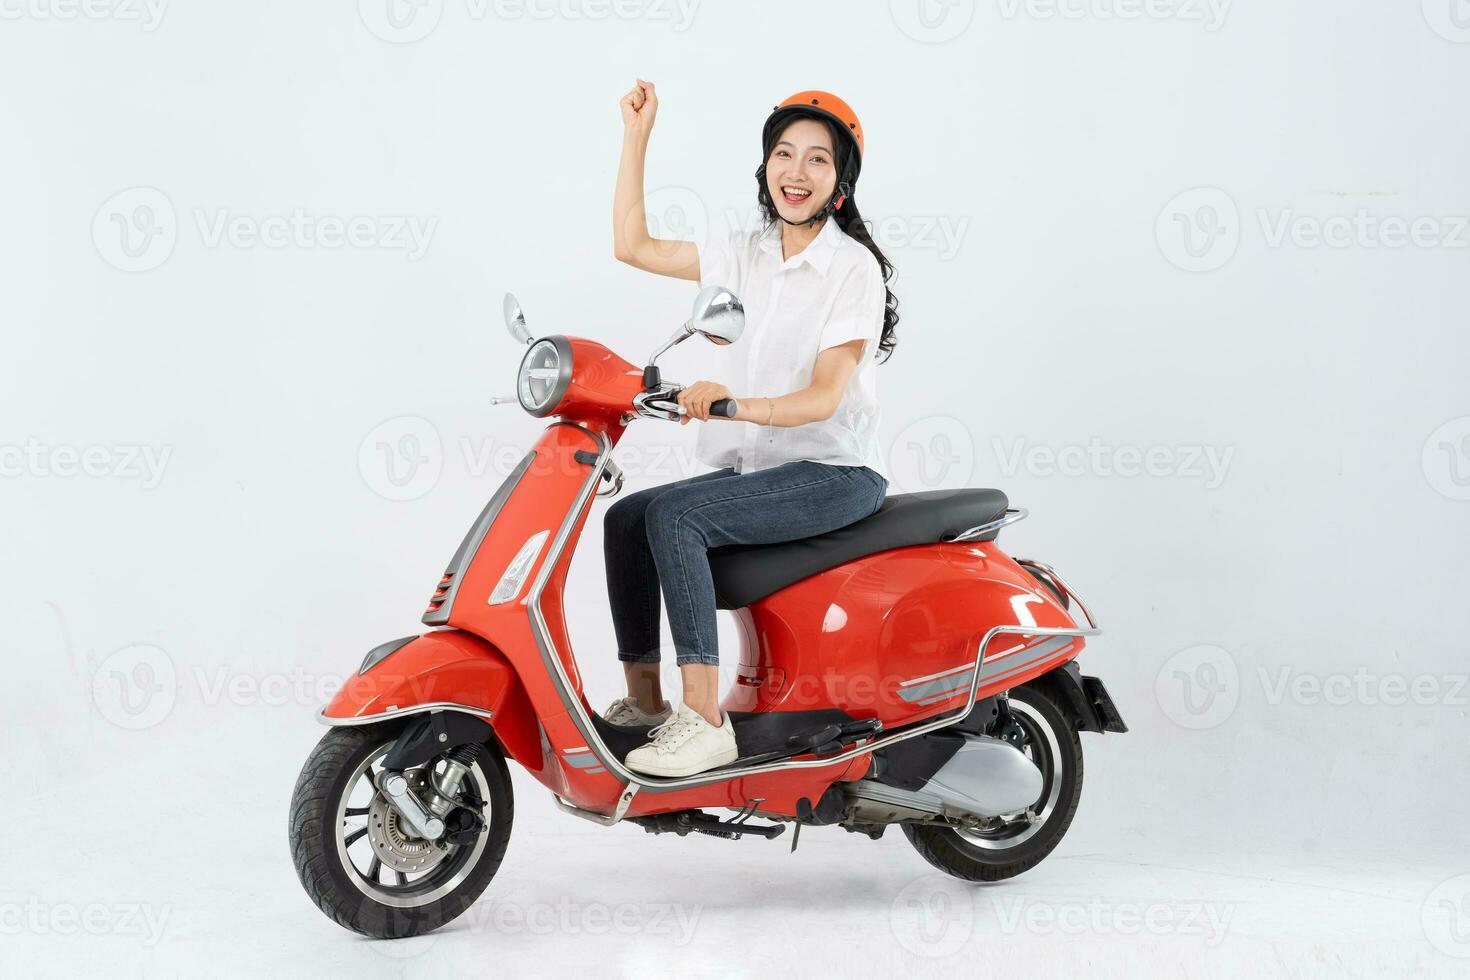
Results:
[795, 836]
[745, 813]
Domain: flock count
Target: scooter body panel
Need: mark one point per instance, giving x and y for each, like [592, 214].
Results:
[445, 667]
[893, 635]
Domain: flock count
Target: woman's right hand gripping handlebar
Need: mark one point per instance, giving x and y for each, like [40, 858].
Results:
[632, 243]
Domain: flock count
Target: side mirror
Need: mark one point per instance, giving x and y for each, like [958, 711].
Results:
[515, 320]
[717, 315]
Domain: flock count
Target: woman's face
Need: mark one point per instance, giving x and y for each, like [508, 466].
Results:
[802, 171]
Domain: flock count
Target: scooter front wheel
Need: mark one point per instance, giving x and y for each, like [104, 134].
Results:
[361, 867]
[1012, 846]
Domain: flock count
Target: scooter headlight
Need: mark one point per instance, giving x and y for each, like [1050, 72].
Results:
[545, 373]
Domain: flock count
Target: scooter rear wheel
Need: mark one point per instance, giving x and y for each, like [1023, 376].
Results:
[1006, 851]
[363, 870]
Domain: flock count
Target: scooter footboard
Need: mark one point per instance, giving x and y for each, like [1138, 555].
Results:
[443, 670]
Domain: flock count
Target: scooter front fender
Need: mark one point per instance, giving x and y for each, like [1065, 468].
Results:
[443, 670]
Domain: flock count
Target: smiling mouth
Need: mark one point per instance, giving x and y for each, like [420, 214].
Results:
[795, 196]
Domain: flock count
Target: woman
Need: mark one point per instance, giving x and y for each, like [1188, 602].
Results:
[801, 455]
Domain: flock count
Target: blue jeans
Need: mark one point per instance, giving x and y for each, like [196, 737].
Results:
[658, 538]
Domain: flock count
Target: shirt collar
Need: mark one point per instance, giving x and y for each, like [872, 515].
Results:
[818, 254]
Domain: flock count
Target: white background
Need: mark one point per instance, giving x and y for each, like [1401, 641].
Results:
[1102, 213]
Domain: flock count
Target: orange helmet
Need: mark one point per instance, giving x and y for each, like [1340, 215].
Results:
[823, 104]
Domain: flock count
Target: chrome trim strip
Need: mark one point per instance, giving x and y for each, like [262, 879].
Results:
[632, 782]
[1011, 516]
[1050, 649]
[966, 666]
[604, 819]
[415, 709]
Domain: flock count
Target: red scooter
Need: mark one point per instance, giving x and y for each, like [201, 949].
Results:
[901, 670]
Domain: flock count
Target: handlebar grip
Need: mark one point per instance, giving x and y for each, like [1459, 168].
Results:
[723, 407]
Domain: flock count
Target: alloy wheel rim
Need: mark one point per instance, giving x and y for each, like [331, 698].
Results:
[361, 862]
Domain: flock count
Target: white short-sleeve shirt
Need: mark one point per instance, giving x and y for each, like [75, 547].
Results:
[829, 293]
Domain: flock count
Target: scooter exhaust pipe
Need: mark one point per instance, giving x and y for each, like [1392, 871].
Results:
[986, 777]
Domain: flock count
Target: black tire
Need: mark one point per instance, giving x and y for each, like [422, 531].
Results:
[964, 855]
[347, 897]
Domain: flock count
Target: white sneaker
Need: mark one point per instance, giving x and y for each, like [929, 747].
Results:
[684, 745]
[626, 713]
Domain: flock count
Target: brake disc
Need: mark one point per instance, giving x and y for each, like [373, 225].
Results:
[392, 841]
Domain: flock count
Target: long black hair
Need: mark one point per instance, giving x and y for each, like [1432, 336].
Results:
[847, 216]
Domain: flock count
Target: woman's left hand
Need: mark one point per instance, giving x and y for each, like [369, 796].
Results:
[698, 397]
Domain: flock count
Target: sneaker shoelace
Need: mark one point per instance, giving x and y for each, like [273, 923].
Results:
[620, 712]
[674, 732]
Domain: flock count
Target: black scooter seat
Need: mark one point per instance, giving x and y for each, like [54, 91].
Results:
[748, 573]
